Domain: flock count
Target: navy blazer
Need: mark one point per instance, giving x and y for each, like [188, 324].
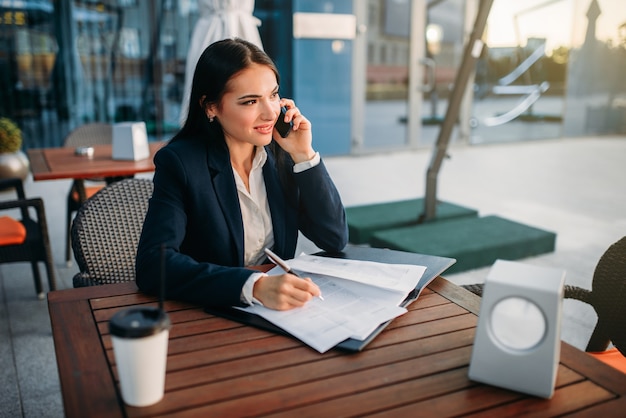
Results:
[194, 211]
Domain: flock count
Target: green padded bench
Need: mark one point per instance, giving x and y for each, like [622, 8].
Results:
[473, 242]
[365, 220]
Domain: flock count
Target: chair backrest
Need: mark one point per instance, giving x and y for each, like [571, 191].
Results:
[607, 297]
[30, 241]
[90, 134]
[608, 294]
[106, 230]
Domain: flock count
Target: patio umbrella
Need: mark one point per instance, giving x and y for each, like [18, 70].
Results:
[219, 19]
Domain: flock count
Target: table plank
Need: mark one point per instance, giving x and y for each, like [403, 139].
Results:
[215, 362]
[92, 293]
[456, 294]
[601, 373]
[176, 317]
[614, 408]
[566, 399]
[104, 314]
[239, 333]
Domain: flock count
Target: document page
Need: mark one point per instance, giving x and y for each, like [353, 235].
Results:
[344, 313]
[400, 277]
[358, 297]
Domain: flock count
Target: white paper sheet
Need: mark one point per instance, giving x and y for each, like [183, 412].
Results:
[358, 297]
[399, 277]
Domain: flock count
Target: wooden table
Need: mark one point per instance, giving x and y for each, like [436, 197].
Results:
[416, 367]
[63, 163]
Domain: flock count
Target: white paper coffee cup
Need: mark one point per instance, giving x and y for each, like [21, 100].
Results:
[140, 339]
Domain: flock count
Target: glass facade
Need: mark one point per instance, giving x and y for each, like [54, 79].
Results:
[65, 63]
[548, 69]
[595, 102]
[390, 37]
[551, 69]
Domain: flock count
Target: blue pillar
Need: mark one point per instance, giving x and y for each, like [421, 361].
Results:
[315, 72]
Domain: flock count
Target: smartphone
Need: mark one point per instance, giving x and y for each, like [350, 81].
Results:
[281, 126]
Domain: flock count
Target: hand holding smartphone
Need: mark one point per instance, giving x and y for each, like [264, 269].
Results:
[281, 126]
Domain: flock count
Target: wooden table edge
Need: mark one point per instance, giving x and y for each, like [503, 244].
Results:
[77, 356]
[38, 162]
[92, 292]
[456, 294]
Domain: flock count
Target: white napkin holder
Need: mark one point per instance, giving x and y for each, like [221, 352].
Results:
[130, 141]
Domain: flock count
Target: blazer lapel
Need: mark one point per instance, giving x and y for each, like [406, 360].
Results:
[276, 202]
[223, 180]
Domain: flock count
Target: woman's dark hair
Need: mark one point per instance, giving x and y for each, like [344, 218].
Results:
[219, 62]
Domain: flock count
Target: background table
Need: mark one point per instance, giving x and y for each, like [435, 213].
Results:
[63, 163]
[217, 367]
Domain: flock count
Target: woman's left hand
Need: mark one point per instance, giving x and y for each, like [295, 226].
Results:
[299, 141]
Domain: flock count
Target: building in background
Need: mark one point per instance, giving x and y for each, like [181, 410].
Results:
[379, 80]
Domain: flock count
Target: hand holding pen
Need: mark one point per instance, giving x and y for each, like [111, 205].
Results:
[283, 264]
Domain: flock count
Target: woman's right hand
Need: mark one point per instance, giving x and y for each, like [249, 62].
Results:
[299, 141]
[285, 291]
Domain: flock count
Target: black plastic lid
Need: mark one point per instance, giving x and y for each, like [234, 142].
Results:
[139, 322]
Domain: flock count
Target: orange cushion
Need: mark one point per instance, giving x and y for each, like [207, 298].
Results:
[12, 232]
[613, 358]
[89, 191]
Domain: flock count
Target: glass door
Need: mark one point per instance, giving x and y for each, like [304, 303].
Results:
[521, 74]
[411, 49]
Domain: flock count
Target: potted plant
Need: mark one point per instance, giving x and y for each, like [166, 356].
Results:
[13, 162]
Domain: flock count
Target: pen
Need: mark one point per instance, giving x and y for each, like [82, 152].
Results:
[283, 264]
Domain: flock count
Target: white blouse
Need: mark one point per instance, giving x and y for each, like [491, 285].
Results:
[258, 232]
[255, 212]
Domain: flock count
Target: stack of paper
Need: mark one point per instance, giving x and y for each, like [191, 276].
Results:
[358, 297]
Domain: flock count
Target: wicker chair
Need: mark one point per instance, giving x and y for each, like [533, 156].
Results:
[90, 134]
[35, 246]
[608, 299]
[106, 230]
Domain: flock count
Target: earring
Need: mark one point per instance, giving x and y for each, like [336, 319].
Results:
[211, 118]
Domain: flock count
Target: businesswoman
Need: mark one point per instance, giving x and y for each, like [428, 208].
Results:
[228, 185]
